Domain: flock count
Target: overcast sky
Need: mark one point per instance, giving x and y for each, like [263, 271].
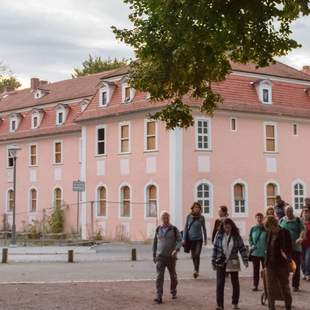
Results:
[48, 38]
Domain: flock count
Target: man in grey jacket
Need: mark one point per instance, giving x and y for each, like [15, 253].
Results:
[167, 242]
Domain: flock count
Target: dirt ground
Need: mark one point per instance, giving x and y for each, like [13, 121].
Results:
[192, 294]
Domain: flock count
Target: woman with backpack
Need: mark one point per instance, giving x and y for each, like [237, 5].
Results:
[225, 259]
[195, 234]
[257, 241]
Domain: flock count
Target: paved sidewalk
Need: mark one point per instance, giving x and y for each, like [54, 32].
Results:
[193, 294]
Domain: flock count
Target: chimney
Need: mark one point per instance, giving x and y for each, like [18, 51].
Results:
[43, 82]
[34, 82]
[306, 69]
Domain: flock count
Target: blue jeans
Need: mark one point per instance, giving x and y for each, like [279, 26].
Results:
[307, 261]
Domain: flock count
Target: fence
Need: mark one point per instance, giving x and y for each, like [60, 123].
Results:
[37, 226]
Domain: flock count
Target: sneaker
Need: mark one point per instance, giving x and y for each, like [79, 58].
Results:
[158, 300]
[255, 289]
[295, 289]
[235, 306]
[196, 274]
[219, 308]
[174, 296]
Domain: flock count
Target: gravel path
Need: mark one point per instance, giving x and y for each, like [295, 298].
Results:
[129, 296]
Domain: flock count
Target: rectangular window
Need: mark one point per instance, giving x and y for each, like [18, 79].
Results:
[57, 152]
[10, 160]
[151, 136]
[124, 139]
[33, 154]
[101, 141]
[233, 124]
[127, 94]
[104, 98]
[295, 129]
[202, 134]
[60, 118]
[35, 121]
[270, 138]
[265, 95]
[13, 125]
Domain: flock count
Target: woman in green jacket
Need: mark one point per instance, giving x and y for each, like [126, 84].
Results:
[257, 240]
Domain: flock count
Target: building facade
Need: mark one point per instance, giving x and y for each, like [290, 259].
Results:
[97, 129]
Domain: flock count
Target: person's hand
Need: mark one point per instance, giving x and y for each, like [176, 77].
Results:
[299, 241]
[174, 254]
[246, 265]
[183, 242]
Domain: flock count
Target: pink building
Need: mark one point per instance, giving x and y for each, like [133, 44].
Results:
[97, 129]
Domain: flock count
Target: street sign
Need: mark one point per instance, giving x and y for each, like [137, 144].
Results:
[78, 186]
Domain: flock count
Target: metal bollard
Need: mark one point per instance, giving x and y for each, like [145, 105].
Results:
[4, 256]
[134, 255]
[70, 256]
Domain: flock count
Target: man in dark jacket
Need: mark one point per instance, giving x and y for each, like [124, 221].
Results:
[167, 243]
[279, 255]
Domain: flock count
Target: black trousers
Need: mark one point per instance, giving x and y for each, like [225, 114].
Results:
[257, 262]
[220, 285]
[196, 246]
[296, 276]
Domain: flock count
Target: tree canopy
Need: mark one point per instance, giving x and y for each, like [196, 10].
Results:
[182, 46]
[7, 80]
[96, 65]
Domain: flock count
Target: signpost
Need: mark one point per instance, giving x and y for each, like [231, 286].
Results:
[78, 186]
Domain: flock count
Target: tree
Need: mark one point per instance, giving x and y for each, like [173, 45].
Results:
[96, 65]
[183, 46]
[9, 83]
[7, 80]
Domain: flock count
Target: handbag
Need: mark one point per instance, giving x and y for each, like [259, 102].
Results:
[186, 244]
[233, 265]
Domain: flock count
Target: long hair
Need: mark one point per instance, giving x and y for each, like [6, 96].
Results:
[234, 228]
[196, 204]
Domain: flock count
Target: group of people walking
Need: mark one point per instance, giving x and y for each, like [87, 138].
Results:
[279, 242]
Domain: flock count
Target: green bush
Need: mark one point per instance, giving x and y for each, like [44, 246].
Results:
[56, 221]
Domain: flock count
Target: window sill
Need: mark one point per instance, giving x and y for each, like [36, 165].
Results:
[58, 164]
[33, 166]
[271, 153]
[100, 155]
[151, 151]
[240, 215]
[100, 218]
[127, 153]
[204, 151]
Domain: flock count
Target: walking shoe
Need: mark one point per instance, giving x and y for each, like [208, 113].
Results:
[158, 300]
[219, 308]
[295, 289]
[235, 306]
[255, 289]
[174, 295]
[308, 278]
[196, 274]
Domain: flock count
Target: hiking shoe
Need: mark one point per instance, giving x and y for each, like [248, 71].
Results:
[235, 306]
[295, 289]
[255, 289]
[219, 308]
[174, 296]
[196, 274]
[158, 300]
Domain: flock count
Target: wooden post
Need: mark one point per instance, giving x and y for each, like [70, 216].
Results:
[70, 256]
[4, 255]
[134, 255]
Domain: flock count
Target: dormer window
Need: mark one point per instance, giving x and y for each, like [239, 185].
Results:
[13, 125]
[14, 122]
[128, 93]
[105, 93]
[264, 91]
[265, 95]
[61, 114]
[35, 121]
[36, 118]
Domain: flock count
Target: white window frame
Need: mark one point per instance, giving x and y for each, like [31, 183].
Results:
[147, 185]
[120, 137]
[146, 121]
[37, 154]
[278, 190]
[53, 196]
[30, 200]
[7, 211]
[265, 85]
[209, 135]
[97, 201]
[246, 199]
[104, 89]
[301, 182]
[205, 181]
[276, 137]
[8, 159]
[54, 152]
[120, 202]
[15, 120]
[33, 116]
[97, 141]
[132, 93]
[59, 110]
[236, 124]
